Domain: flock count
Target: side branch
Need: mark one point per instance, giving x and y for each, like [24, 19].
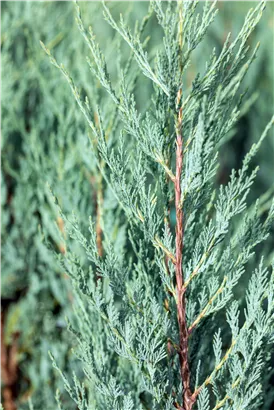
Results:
[208, 305]
[198, 267]
[222, 402]
[158, 244]
[227, 355]
[215, 370]
[168, 171]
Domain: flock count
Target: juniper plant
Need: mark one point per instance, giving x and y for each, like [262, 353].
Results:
[158, 319]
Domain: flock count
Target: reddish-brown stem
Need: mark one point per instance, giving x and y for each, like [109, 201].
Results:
[188, 400]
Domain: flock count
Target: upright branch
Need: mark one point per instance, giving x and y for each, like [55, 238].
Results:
[188, 400]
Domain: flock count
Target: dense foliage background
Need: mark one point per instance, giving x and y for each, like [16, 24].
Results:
[44, 142]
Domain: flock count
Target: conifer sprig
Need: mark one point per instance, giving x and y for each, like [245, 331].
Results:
[152, 294]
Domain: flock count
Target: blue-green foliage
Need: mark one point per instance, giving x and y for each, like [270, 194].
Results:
[36, 114]
[115, 172]
[125, 352]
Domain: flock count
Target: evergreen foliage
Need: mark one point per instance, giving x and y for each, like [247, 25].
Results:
[36, 295]
[155, 301]
[156, 313]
